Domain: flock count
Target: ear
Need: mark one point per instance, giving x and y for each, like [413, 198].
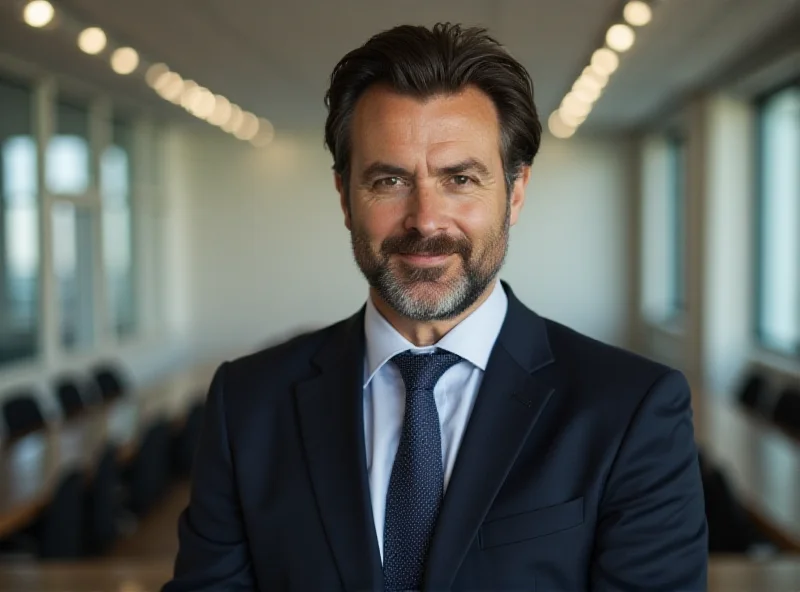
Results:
[518, 193]
[343, 201]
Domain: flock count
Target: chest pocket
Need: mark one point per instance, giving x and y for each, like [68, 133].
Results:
[531, 525]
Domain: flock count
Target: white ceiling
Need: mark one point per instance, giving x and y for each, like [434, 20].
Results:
[274, 58]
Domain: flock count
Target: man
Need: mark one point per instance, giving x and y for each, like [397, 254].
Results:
[445, 437]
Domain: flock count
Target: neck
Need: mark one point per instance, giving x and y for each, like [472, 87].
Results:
[424, 333]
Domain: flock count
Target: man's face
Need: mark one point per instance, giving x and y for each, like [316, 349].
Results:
[427, 205]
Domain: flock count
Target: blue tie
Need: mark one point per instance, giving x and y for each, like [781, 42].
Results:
[417, 481]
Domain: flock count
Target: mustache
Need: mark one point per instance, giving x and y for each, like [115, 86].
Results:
[415, 244]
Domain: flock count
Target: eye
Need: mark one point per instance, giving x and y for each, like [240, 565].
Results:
[461, 180]
[389, 182]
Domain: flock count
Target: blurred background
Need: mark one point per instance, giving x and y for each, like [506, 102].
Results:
[166, 203]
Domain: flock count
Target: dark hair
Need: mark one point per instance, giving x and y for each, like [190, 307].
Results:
[423, 62]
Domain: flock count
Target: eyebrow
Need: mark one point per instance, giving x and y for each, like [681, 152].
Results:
[384, 168]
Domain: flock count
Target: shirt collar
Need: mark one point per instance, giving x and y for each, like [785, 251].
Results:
[472, 339]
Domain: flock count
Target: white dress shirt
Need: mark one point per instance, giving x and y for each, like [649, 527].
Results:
[385, 395]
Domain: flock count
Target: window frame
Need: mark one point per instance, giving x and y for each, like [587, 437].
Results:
[760, 103]
[51, 356]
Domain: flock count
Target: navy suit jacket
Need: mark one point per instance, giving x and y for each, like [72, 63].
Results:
[578, 471]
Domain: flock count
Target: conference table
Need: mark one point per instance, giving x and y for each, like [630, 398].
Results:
[762, 460]
[32, 467]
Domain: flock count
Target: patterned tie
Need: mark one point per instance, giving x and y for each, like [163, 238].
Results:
[417, 481]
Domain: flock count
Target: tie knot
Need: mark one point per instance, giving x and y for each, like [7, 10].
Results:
[423, 371]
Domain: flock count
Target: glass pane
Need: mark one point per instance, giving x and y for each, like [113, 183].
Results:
[115, 188]
[19, 230]
[677, 210]
[779, 314]
[68, 163]
[72, 262]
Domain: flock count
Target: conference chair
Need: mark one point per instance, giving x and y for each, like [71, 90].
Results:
[21, 413]
[730, 528]
[110, 380]
[186, 441]
[70, 394]
[102, 504]
[149, 472]
[787, 410]
[753, 391]
[59, 531]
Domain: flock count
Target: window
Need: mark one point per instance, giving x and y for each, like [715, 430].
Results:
[676, 192]
[68, 180]
[663, 236]
[778, 314]
[19, 230]
[115, 190]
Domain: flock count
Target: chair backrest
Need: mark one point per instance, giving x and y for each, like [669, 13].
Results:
[186, 441]
[69, 394]
[109, 380]
[754, 390]
[59, 532]
[21, 413]
[787, 409]
[102, 504]
[730, 529]
[149, 472]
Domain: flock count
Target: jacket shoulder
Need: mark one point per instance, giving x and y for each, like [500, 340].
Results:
[588, 360]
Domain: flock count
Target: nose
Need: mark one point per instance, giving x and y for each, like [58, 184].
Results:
[427, 211]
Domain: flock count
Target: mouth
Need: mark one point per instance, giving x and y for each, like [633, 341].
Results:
[423, 259]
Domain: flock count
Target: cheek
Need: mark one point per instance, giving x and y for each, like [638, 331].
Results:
[379, 221]
[476, 220]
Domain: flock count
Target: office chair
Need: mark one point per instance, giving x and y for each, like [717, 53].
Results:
[110, 381]
[69, 394]
[753, 391]
[22, 414]
[102, 504]
[59, 530]
[186, 441]
[149, 472]
[787, 410]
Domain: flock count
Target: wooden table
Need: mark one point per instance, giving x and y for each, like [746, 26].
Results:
[31, 467]
[763, 463]
[725, 575]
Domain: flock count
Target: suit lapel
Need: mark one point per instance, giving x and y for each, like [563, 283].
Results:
[511, 398]
[330, 408]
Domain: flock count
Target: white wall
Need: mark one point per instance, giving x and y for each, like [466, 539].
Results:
[268, 252]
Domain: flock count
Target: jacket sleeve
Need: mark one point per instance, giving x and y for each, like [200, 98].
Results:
[213, 553]
[652, 532]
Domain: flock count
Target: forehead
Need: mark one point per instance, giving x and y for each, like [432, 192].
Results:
[397, 128]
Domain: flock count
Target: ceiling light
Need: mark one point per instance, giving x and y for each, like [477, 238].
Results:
[605, 61]
[170, 86]
[156, 75]
[124, 60]
[637, 13]
[190, 88]
[248, 127]
[222, 111]
[234, 120]
[586, 93]
[192, 97]
[205, 104]
[590, 73]
[571, 119]
[266, 134]
[575, 105]
[559, 128]
[38, 13]
[589, 84]
[92, 40]
[620, 37]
